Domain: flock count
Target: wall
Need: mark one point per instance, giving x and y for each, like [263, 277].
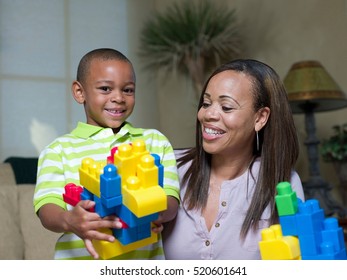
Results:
[280, 33]
[41, 44]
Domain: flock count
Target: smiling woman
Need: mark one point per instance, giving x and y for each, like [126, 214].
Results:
[246, 143]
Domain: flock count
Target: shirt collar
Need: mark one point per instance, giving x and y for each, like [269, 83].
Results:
[84, 130]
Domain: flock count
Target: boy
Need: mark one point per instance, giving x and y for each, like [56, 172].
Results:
[105, 85]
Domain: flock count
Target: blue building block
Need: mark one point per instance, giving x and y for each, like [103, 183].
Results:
[132, 234]
[87, 195]
[327, 252]
[288, 224]
[310, 217]
[110, 182]
[112, 201]
[131, 219]
[310, 243]
[126, 235]
[160, 169]
[333, 233]
[103, 210]
[144, 231]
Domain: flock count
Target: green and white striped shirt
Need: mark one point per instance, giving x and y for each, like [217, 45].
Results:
[59, 164]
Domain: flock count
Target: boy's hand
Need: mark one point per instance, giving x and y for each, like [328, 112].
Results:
[157, 226]
[86, 224]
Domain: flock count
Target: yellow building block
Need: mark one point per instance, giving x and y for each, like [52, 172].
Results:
[275, 246]
[108, 250]
[143, 201]
[89, 174]
[139, 149]
[125, 161]
[147, 171]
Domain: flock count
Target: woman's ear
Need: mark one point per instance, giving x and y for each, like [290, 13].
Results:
[262, 117]
[78, 92]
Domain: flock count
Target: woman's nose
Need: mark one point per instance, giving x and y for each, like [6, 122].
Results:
[212, 113]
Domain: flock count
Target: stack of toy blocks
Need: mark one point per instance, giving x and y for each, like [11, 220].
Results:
[128, 185]
[313, 236]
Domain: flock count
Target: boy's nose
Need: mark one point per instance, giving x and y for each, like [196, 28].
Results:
[117, 97]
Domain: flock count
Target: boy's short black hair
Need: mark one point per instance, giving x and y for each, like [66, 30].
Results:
[101, 54]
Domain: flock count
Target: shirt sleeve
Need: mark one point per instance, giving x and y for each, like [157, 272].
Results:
[50, 180]
[296, 184]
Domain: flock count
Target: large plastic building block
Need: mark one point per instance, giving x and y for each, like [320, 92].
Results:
[331, 244]
[131, 219]
[132, 234]
[143, 201]
[288, 224]
[286, 199]
[319, 238]
[310, 217]
[160, 169]
[139, 149]
[110, 158]
[108, 250]
[333, 233]
[275, 246]
[72, 194]
[110, 182]
[147, 171]
[90, 172]
[125, 161]
[125, 185]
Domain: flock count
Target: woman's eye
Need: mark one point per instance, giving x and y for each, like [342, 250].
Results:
[205, 104]
[226, 108]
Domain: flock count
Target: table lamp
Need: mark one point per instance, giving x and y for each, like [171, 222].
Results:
[311, 89]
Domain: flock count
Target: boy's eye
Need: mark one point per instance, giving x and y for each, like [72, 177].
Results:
[129, 91]
[105, 88]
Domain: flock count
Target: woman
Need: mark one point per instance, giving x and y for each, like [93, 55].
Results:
[246, 143]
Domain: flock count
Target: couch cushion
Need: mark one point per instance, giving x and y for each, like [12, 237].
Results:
[7, 175]
[11, 240]
[39, 242]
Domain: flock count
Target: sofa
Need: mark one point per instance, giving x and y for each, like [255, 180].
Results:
[22, 237]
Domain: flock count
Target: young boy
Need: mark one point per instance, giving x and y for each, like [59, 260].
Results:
[105, 86]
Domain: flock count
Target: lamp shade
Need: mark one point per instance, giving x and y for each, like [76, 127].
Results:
[309, 86]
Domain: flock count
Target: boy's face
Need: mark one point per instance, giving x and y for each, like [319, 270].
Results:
[108, 93]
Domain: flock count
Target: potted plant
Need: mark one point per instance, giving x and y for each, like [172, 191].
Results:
[190, 37]
[334, 150]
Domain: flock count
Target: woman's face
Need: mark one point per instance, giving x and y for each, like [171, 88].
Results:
[227, 114]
